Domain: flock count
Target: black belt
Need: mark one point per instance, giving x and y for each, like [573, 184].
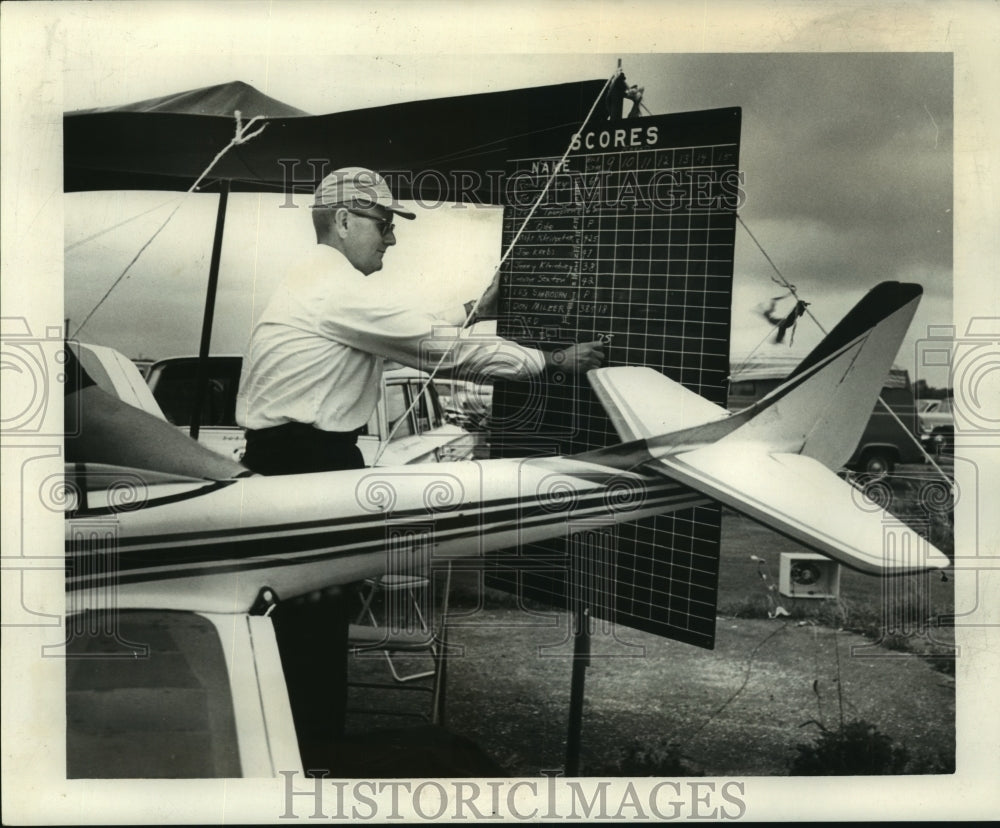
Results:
[305, 431]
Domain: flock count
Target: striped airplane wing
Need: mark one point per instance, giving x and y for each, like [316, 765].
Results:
[801, 498]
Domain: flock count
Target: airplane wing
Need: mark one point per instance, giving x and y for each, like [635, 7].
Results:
[801, 498]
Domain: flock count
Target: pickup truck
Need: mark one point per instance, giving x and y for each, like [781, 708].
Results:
[425, 435]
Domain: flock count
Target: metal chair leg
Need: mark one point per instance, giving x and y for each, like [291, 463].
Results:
[436, 646]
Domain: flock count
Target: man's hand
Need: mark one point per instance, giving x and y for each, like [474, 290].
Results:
[488, 304]
[577, 358]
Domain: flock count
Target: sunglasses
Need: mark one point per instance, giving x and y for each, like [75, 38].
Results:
[385, 226]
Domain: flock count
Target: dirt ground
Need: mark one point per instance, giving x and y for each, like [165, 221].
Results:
[739, 709]
[736, 710]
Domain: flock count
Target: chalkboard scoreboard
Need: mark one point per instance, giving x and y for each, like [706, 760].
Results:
[632, 243]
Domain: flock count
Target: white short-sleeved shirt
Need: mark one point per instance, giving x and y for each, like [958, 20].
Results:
[316, 353]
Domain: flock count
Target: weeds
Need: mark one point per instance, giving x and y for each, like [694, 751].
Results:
[858, 748]
[871, 621]
[941, 663]
[648, 758]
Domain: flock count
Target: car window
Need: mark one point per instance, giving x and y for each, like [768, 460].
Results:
[396, 403]
[143, 678]
[428, 414]
[742, 388]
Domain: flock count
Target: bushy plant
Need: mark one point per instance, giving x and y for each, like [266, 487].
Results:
[651, 758]
[857, 748]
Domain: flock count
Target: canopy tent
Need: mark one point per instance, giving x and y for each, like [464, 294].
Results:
[208, 100]
[166, 143]
[427, 148]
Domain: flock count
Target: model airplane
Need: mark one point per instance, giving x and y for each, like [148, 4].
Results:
[214, 546]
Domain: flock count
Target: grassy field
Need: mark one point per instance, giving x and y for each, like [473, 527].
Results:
[904, 613]
[909, 613]
[776, 680]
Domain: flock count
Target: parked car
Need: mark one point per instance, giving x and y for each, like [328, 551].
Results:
[423, 436]
[937, 426]
[884, 443]
[467, 404]
[143, 365]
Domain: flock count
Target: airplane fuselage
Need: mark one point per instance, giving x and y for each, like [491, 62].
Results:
[213, 546]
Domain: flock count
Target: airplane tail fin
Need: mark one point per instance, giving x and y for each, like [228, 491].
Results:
[820, 410]
[775, 461]
[823, 406]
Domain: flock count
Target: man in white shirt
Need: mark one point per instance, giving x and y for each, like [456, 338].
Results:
[311, 381]
[313, 373]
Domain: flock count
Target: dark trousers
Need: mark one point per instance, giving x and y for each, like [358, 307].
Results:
[312, 640]
[298, 448]
[312, 630]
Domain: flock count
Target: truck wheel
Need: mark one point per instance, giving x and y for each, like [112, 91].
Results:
[878, 463]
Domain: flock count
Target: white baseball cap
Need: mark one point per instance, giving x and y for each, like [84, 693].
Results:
[359, 188]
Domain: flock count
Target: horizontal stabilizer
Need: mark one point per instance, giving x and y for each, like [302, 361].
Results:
[642, 402]
[799, 497]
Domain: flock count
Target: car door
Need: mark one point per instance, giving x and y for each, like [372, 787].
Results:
[412, 425]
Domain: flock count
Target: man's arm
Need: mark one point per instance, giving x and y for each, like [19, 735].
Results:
[380, 325]
[489, 303]
[103, 429]
[576, 358]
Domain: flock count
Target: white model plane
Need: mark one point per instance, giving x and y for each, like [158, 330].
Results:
[213, 546]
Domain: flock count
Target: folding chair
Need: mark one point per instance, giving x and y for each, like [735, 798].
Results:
[407, 628]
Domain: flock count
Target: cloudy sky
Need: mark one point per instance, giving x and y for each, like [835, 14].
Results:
[848, 161]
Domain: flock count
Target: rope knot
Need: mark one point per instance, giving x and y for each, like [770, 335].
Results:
[241, 136]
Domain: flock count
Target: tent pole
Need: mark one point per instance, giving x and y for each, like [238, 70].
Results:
[201, 386]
